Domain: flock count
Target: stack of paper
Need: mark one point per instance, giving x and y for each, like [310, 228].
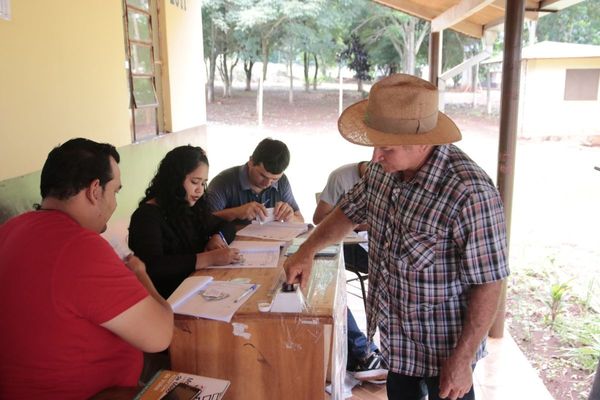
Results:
[285, 231]
[255, 254]
[200, 296]
[328, 251]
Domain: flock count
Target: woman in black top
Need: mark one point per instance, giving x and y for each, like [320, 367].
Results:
[172, 230]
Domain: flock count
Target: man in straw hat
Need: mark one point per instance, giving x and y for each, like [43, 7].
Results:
[437, 240]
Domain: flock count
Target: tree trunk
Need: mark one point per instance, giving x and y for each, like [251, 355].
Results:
[360, 85]
[211, 67]
[306, 81]
[248, 70]
[265, 57]
[316, 71]
[410, 48]
[291, 94]
[230, 79]
[224, 71]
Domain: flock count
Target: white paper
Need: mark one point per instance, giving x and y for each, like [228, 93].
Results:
[285, 231]
[270, 216]
[255, 254]
[189, 287]
[220, 310]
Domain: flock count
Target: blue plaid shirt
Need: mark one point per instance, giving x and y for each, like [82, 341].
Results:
[430, 239]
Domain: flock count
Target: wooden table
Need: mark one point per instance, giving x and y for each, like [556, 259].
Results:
[272, 355]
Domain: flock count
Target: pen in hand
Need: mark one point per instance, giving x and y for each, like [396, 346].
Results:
[223, 239]
[246, 292]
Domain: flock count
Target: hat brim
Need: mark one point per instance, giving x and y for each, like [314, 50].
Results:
[352, 127]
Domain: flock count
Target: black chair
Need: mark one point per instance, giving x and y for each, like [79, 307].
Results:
[361, 277]
[356, 260]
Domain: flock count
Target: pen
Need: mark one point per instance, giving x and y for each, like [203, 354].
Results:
[223, 238]
[246, 292]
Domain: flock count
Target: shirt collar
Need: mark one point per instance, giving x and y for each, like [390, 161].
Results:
[431, 174]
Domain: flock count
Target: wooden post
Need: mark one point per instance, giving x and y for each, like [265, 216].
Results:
[435, 56]
[488, 99]
[511, 68]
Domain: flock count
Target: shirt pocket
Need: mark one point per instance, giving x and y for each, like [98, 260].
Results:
[421, 289]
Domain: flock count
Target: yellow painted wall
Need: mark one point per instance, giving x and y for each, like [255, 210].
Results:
[62, 74]
[544, 112]
[183, 64]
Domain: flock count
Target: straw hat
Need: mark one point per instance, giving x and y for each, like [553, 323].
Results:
[401, 110]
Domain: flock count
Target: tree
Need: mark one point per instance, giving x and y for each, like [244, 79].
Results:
[218, 18]
[358, 59]
[384, 26]
[576, 24]
[213, 22]
[267, 17]
[249, 52]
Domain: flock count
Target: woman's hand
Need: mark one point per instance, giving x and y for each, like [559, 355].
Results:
[215, 242]
[225, 256]
[135, 264]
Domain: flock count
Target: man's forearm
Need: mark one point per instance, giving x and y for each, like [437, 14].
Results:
[332, 230]
[228, 214]
[481, 312]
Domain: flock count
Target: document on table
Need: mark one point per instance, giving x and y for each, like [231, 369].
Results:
[328, 251]
[202, 297]
[255, 254]
[274, 230]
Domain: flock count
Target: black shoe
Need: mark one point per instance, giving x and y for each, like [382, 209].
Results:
[371, 369]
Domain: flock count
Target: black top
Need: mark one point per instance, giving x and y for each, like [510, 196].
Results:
[168, 245]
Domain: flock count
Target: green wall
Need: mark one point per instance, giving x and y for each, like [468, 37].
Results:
[138, 165]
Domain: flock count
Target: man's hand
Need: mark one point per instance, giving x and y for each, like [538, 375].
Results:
[250, 211]
[456, 377]
[298, 267]
[283, 211]
[215, 242]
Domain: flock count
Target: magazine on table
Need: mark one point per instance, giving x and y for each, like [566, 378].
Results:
[171, 385]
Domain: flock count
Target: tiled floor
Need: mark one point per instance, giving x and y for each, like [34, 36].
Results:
[505, 374]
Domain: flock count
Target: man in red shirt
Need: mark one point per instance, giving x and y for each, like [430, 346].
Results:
[75, 317]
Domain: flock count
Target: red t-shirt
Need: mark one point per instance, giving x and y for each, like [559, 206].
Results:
[58, 283]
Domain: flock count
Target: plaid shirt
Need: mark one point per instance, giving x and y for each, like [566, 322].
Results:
[430, 240]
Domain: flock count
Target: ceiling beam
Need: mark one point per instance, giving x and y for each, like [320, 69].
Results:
[458, 13]
[469, 29]
[410, 7]
[556, 5]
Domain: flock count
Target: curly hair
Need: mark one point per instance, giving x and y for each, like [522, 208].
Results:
[166, 188]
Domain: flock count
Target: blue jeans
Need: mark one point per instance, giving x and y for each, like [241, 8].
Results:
[357, 343]
[402, 387]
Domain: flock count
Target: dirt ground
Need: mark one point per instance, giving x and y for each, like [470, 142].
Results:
[555, 213]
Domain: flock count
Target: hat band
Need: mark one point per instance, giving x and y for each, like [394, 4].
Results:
[402, 126]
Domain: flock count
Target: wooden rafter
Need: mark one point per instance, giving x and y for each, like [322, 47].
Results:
[458, 13]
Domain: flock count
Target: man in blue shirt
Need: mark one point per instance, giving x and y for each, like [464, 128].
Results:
[243, 193]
